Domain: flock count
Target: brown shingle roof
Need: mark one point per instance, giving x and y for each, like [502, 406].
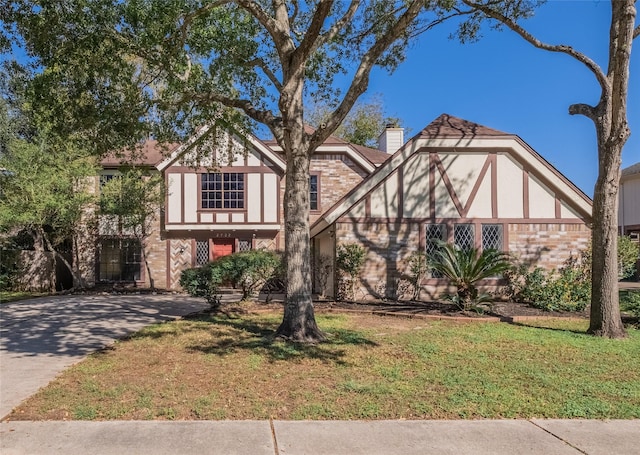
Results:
[150, 152]
[631, 170]
[374, 155]
[449, 126]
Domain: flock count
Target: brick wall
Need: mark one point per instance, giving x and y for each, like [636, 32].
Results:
[156, 252]
[388, 248]
[338, 175]
[548, 245]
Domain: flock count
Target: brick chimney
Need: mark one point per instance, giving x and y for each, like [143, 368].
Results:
[391, 139]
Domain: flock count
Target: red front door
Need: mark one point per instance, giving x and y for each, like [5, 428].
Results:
[222, 247]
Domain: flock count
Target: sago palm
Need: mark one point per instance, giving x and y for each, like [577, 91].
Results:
[465, 267]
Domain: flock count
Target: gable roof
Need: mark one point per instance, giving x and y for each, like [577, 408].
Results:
[256, 143]
[448, 126]
[634, 169]
[372, 157]
[451, 132]
[149, 153]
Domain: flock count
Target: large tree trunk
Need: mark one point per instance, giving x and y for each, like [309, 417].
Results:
[605, 319]
[298, 323]
[612, 130]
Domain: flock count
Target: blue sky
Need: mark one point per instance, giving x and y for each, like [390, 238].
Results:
[505, 83]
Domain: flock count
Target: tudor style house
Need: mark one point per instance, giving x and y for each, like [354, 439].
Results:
[455, 181]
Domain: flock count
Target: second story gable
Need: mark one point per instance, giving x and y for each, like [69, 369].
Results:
[222, 182]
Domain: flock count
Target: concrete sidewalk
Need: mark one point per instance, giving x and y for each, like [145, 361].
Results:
[460, 437]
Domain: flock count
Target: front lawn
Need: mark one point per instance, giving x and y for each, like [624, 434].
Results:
[373, 368]
[12, 296]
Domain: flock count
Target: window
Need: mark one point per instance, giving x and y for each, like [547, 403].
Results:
[223, 190]
[313, 192]
[244, 245]
[202, 252]
[120, 260]
[464, 236]
[492, 236]
[436, 233]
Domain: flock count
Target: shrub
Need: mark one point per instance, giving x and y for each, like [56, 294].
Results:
[349, 261]
[322, 271]
[628, 255]
[204, 282]
[465, 267]
[249, 270]
[565, 289]
[630, 302]
[418, 269]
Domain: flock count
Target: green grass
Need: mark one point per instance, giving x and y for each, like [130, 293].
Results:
[12, 296]
[372, 368]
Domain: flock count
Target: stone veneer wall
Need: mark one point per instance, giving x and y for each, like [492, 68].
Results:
[548, 245]
[388, 248]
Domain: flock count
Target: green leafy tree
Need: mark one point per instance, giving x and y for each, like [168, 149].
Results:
[135, 196]
[465, 268]
[362, 125]
[46, 193]
[184, 64]
[609, 116]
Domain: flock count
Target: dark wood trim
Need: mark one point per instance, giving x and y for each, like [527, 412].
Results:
[367, 205]
[525, 193]
[182, 197]
[494, 184]
[447, 183]
[432, 186]
[400, 191]
[167, 271]
[476, 186]
[345, 219]
[204, 170]
[558, 208]
[262, 198]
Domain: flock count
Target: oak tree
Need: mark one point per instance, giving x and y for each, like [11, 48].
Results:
[609, 116]
[179, 65]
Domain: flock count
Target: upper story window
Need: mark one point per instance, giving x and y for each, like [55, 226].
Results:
[223, 191]
[313, 192]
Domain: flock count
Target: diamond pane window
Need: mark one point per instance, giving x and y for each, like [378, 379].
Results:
[202, 252]
[435, 233]
[244, 245]
[492, 236]
[463, 236]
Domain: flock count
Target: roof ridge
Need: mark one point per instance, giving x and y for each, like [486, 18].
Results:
[447, 125]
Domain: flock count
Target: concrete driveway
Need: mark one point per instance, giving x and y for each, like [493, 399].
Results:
[41, 337]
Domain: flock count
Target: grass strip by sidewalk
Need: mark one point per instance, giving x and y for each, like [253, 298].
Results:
[373, 368]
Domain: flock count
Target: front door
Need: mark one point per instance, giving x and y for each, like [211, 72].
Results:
[222, 247]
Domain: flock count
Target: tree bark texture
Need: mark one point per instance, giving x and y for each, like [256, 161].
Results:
[612, 132]
[298, 323]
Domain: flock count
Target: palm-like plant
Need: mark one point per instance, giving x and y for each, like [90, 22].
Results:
[465, 267]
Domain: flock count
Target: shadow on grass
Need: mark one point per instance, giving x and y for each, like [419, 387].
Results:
[259, 336]
[534, 325]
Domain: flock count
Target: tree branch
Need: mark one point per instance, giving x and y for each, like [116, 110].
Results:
[360, 80]
[340, 23]
[265, 117]
[260, 63]
[310, 41]
[579, 56]
[273, 26]
[636, 32]
[583, 109]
